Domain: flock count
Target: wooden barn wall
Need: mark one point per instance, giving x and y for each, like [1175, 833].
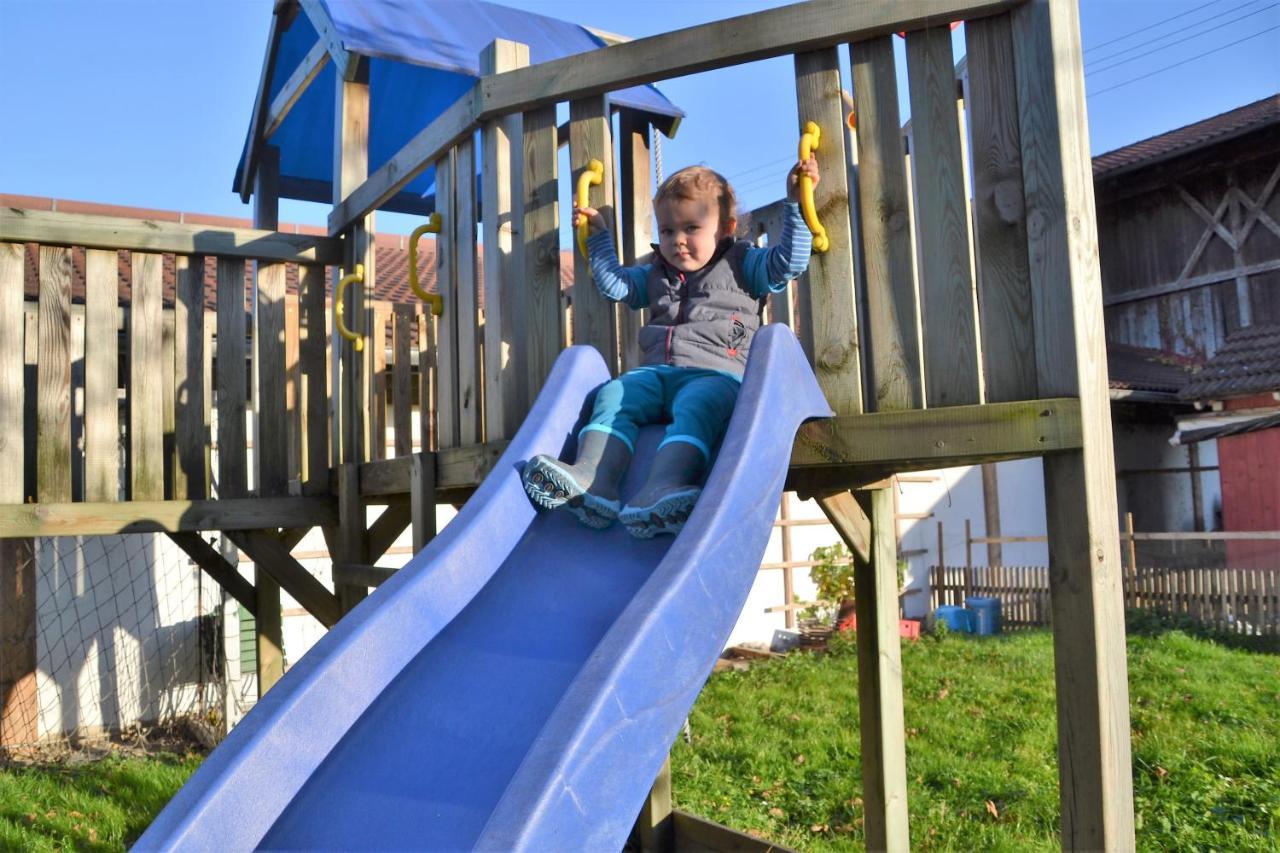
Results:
[1151, 235]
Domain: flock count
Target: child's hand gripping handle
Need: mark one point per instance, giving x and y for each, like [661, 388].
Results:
[435, 300]
[338, 308]
[592, 175]
[809, 144]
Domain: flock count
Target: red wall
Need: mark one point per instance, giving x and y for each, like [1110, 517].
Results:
[1249, 470]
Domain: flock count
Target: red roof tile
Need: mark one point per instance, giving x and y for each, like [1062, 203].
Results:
[1166, 145]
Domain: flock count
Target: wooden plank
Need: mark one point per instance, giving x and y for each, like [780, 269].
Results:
[656, 824]
[302, 77]
[344, 61]
[231, 380]
[695, 834]
[946, 292]
[353, 541]
[426, 380]
[448, 405]
[1024, 428]
[102, 354]
[470, 382]
[591, 138]
[271, 557]
[19, 698]
[635, 203]
[270, 420]
[168, 346]
[432, 143]
[146, 437]
[893, 343]
[387, 529]
[253, 142]
[106, 518]
[503, 207]
[223, 573]
[832, 316]
[543, 319]
[404, 319]
[1003, 279]
[422, 499]
[795, 28]
[53, 372]
[1087, 609]
[359, 574]
[378, 383]
[12, 346]
[191, 427]
[776, 32]
[850, 521]
[51, 228]
[313, 350]
[293, 390]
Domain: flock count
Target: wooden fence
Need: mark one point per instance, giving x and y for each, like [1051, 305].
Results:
[1245, 601]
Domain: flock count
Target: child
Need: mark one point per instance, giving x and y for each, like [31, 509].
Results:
[705, 292]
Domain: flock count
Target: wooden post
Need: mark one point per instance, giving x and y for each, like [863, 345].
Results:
[354, 390]
[1131, 551]
[503, 210]
[832, 316]
[422, 499]
[313, 353]
[991, 511]
[886, 228]
[591, 138]
[1094, 760]
[656, 824]
[19, 708]
[968, 559]
[467, 350]
[270, 448]
[636, 207]
[543, 319]
[883, 733]
[941, 548]
[788, 588]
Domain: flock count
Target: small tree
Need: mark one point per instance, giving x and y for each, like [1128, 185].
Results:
[832, 573]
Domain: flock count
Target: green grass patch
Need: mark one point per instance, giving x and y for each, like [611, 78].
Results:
[775, 749]
[96, 805]
[775, 752]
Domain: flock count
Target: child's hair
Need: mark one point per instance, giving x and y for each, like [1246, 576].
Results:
[698, 182]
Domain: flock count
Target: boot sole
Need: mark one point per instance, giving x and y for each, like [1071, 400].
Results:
[593, 511]
[665, 516]
[548, 485]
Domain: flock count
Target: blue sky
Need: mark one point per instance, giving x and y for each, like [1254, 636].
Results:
[146, 102]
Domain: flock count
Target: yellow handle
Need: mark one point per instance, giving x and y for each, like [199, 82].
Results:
[809, 144]
[593, 174]
[435, 300]
[338, 308]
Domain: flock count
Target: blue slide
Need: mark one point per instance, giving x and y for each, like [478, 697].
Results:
[518, 684]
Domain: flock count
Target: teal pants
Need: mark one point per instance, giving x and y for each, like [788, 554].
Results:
[695, 402]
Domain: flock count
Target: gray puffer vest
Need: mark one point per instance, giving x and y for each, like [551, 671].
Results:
[701, 319]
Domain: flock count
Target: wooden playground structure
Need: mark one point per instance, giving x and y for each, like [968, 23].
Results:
[940, 337]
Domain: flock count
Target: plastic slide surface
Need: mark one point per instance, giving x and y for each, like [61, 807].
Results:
[518, 684]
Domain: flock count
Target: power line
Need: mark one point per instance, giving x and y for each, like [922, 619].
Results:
[1134, 47]
[1156, 24]
[1183, 62]
[1180, 41]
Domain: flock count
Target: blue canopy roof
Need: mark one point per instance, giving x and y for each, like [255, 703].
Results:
[423, 55]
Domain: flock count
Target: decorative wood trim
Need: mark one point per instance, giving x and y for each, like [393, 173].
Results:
[303, 76]
[270, 556]
[343, 60]
[941, 436]
[51, 228]
[215, 566]
[106, 518]
[253, 140]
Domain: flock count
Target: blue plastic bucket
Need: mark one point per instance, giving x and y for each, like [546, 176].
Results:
[956, 618]
[986, 614]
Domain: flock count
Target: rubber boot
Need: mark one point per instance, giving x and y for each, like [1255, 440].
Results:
[588, 488]
[663, 504]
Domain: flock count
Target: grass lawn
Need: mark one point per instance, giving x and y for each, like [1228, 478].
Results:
[775, 751]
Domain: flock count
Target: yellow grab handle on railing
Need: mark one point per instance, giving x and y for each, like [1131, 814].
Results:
[809, 144]
[435, 300]
[339, 308]
[593, 174]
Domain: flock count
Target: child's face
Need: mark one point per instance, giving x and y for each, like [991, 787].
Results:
[688, 231]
